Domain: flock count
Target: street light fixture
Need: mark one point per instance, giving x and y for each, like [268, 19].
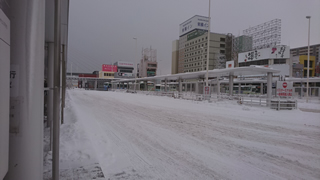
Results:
[135, 56]
[308, 17]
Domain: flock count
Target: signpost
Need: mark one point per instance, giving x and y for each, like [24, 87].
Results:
[284, 89]
[206, 92]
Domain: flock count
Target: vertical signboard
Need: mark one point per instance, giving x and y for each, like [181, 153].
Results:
[284, 89]
[4, 87]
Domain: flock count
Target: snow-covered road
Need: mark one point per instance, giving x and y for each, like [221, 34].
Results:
[137, 136]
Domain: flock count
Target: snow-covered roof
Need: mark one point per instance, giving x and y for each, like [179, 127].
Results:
[239, 71]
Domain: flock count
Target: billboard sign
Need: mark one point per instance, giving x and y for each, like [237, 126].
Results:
[124, 64]
[109, 68]
[284, 89]
[276, 52]
[196, 22]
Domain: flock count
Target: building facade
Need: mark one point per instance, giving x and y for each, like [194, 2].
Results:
[175, 57]
[190, 55]
[148, 64]
[125, 70]
[314, 51]
[277, 57]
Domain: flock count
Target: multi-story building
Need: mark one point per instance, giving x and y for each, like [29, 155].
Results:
[148, 64]
[189, 53]
[314, 51]
[125, 70]
[241, 44]
[175, 57]
[303, 61]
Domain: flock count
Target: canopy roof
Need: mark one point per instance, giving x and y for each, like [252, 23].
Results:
[239, 71]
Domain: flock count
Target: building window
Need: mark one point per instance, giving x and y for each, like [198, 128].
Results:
[222, 45]
[223, 39]
[206, 37]
[279, 61]
[222, 51]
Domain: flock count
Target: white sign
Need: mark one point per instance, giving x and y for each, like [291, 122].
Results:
[124, 64]
[229, 64]
[284, 88]
[196, 22]
[277, 52]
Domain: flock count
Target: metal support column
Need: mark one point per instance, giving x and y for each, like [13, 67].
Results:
[165, 85]
[51, 87]
[56, 100]
[27, 47]
[63, 84]
[218, 86]
[261, 88]
[180, 85]
[269, 88]
[96, 83]
[230, 85]
[239, 88]
[197, 87]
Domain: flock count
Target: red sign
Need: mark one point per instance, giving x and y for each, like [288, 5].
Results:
[284, 85]
[207, 90]
[109, 68]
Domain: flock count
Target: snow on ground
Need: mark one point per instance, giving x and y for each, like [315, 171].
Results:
[77, 157]
[313, 103]
[136, 136]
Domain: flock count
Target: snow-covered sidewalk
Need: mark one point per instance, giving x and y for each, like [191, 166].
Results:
[77, 157]
[136, 136]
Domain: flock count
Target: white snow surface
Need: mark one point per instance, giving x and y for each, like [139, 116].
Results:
[136, 136]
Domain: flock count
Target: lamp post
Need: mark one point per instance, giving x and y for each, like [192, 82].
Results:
[135, 56]
[202, 58]
[208, 48]
[308, 17]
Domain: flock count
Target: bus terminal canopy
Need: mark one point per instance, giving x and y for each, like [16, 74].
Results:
[239, 71]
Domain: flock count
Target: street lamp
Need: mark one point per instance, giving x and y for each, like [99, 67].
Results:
[208, 48]
[308, 17]
[135, 56]
[202, 56]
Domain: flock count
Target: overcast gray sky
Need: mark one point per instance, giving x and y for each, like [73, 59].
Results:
[102, 31]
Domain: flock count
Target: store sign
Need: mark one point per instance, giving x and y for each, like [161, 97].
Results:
[284, 89]
[125, 64]
[196, 22]
[109, 68]
[125, 74]
[276, 52]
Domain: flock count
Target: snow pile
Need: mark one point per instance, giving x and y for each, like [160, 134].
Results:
[77, 158]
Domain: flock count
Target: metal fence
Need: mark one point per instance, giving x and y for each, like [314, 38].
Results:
[302, 91]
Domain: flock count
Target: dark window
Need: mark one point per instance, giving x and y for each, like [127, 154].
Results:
[223, 39]
[279, 61]
[222, 51]
[222, 45]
